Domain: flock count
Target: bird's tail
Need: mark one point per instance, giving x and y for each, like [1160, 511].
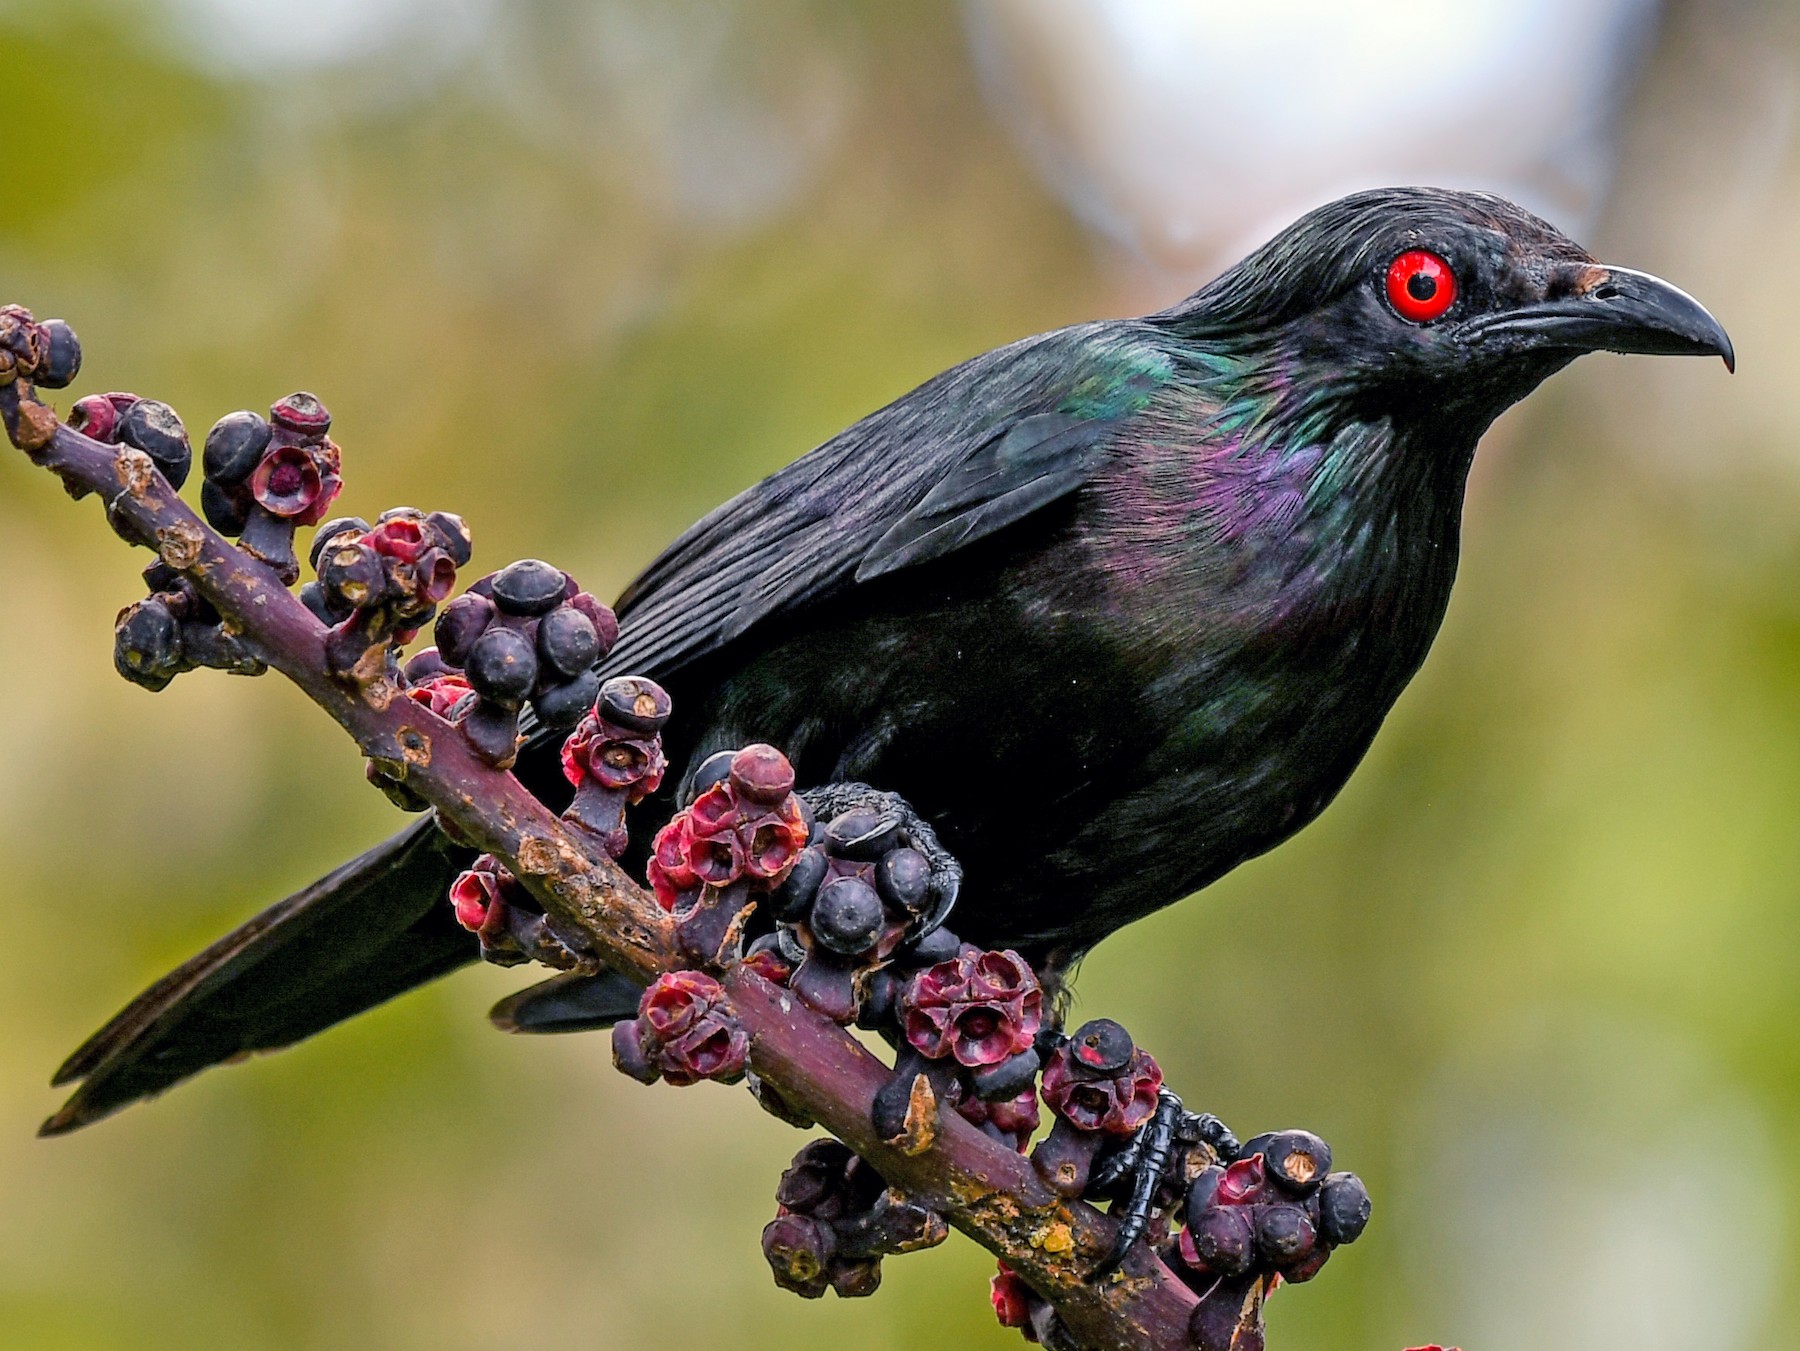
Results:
[374, 928]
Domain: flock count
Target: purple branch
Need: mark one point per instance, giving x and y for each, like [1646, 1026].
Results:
[816, 1069]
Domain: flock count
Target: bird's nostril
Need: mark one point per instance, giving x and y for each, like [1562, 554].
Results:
[1606, 292]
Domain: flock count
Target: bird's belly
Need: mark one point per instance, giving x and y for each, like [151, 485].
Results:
[1080, 790]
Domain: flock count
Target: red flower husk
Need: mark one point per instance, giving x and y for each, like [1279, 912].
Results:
[399, 537]
[440, 693]
[724, 836]
[599, 751]
[1244, 1182]
[689, 1031]
[612, 768]
[770, 965]
[1012, 1123]
[980, 1008]
[297, 482]
[481, 894]
[1089, 1100]
[1011, 1299]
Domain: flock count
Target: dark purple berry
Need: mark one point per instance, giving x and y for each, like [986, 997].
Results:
[904, 878]
[154, 428]
[459, 624]
[1102, 1045]
[566, 704]
[225, 513]
[340, 525]
[147, 644]
[60, 361]
[881, 991]
[493, 732]
[501, 666]
[352, 572]
[1203, 1189]
[715, 769]
[328, 609]
[862, 834]
[1295, 1160]
[940, 945]
[799, 1250]
[1343, 1208]
[454, 532]
[634, 703]
[425, 664]
[762, 774]
[794, 897]
[302, 412]
[1308, 1266]
[847, 916]
[567, 642]
[528, 587]
[1224, 1240]
[1008, 1079]
[234, 446]
[1283, 1234]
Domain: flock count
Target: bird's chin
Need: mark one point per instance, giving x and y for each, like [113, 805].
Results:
[1620, 311]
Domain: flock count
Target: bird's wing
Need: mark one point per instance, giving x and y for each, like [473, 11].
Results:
[974, 450]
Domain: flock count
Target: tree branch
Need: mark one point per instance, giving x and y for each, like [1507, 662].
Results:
[986, 1190]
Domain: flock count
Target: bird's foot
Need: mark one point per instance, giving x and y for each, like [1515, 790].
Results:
[1162, 1150]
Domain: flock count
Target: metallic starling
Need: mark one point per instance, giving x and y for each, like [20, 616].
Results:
[1115, 608]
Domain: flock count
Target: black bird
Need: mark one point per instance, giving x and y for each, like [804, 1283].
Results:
[1150, 584]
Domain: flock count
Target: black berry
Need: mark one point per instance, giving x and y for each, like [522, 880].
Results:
[528, 587]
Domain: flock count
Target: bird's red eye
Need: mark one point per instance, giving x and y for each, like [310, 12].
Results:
[1420, 286]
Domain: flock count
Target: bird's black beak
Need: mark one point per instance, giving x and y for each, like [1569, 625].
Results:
[1616, 310]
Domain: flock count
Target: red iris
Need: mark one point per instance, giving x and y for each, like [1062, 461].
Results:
[1420, 286]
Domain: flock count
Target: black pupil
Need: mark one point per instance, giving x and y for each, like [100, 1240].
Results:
[1421, 286]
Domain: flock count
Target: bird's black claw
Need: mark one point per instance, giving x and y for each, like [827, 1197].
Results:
[1138, 1171]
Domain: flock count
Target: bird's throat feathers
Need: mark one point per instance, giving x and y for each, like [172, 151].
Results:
[1257, 480]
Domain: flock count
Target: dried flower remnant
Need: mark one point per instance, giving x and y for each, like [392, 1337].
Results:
[685, 1031]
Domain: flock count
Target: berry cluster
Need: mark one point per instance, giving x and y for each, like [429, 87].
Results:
[524, 635]
[968, 1025]
[174, 630]
[738, 840]
[685, 1031]
[855, 903]
[835, 1219]
[379, 585]
[1276, 1210]
[614, 758]
[266, 476]
[144, 424]
[495, 906]
[47, 353]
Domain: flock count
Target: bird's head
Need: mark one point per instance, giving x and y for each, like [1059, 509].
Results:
[1432, 303]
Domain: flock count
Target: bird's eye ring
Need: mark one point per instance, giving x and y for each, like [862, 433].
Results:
[1420, 286]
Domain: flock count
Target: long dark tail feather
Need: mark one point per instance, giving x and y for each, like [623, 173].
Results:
[571, 1002]
[374, 928]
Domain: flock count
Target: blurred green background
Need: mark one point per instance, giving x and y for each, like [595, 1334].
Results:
[580, 271]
